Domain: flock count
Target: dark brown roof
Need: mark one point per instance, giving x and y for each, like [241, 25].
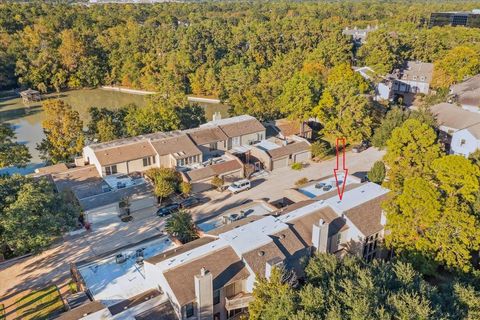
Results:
[258, 258]
[233, 225]
[179, 146]
[224, 264]
[242, 128]
[134, 301]
[213, 170]
[125, 152]
[367, 216]
[292, 148]
[81, 311]
[161, 312]
[207, 135]
[179, 250]
[302, 226]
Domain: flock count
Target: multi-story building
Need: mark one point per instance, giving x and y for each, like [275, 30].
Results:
[464, 19]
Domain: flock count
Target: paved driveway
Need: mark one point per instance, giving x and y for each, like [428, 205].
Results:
[272, 186]
[52, 265]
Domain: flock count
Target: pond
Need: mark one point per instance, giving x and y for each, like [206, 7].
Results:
[27, 119]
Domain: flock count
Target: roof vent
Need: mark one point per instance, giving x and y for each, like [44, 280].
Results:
[282, 236]
[261, 253]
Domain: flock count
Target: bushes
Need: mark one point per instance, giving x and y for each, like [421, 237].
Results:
[297, 166]
[217, 182]
[301, 182]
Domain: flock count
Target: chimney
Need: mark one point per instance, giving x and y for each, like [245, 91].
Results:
[204, 294]
[270, 264]
[320, 236]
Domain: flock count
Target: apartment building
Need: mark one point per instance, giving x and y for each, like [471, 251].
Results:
[213, 277]
[175, 149]
[454, 19]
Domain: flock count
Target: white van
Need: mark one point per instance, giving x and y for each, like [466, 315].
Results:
[239, 186]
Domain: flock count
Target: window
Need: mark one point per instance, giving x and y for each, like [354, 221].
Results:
[189, 311]
[147, 161]
[111, 170]
[235, 141]
[216, 297]
[213, 146]
[370, 247]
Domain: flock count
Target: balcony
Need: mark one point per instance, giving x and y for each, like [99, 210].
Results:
[238, 301]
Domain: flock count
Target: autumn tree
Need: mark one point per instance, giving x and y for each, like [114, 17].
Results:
[344, 110]
[12, 153]
[165, 181]
[377, 173]
[382, 52]
[458, 64]
[63, 130]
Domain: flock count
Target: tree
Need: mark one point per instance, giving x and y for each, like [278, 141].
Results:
[273, 298]
[180, 225]
[320, 149]
[457, 64]
[217, 182]
[377, 173]
[300, 94]
[29, 228]
[165, 181]
[411, 150]
[63, 130]
[343, 109]
[435, 219]
[107, 130]
[185, 188]
[106, 124]
[12, 153]
[382, 51]
[333, 50]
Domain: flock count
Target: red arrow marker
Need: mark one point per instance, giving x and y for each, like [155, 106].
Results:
[340, 143]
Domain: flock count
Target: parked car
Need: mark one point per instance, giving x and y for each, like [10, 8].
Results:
[361, 147]
[190, 202]
[327, 187]
[239, 186]
[320, 185]
[168, 209]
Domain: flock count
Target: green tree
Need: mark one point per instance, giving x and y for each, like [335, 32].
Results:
[107, 130]
[457, 64]
[180, 225]
[382, 51]
[29, 228]
[377, 173]
[344, 110]
[185, 188]
[165, 181]
[273, 298]
[217, 182]
[320, 149]
[410, 152]
[63, 130]
[333, 50]
[12, 153]
[300, 94]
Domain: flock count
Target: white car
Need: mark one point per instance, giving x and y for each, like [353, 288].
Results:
[239, 186]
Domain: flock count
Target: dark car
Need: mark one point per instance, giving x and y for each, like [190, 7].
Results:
[189, 202]
[168, 209]
[327, 187]
[361, 147]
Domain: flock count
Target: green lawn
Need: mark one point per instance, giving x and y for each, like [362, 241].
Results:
[39, 304]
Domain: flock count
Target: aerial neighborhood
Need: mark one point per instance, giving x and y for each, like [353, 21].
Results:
[239, 160]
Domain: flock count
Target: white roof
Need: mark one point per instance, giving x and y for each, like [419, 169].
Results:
[356, 197]
[267, 145]
[232, 120]
[253, 235]
[190, 255]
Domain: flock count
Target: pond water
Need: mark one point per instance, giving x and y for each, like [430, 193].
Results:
[27, 119]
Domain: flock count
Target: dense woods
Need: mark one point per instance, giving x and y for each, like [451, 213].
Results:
[251, 54]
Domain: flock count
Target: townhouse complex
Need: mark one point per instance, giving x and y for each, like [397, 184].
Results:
[213, 277]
